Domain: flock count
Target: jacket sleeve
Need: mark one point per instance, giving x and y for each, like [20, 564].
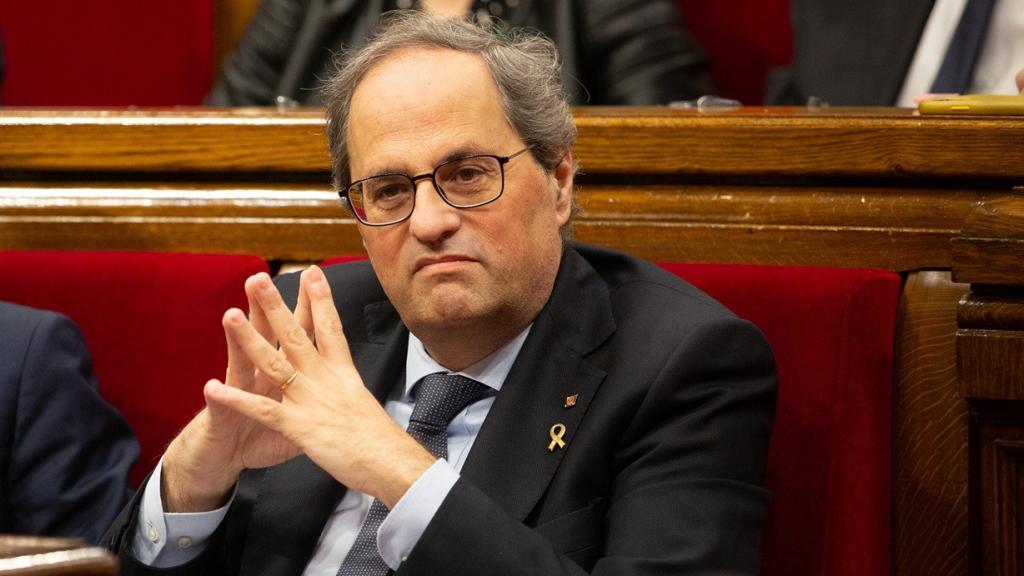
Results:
[638, 52]
[71, 453]
[686, 482]
[251, 74]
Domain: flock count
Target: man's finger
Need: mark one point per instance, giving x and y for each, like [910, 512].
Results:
[290, 334]
[260, 408]
[270, 361]
[240, 372]
[327, 325]
[303, 314]
[216, 411]
[1020, 81]
[256, 314]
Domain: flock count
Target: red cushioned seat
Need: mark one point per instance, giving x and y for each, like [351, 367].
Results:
[151, 321]
[829, 464]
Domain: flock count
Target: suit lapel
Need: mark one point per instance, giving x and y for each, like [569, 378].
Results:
[294, 500]
[511, 459]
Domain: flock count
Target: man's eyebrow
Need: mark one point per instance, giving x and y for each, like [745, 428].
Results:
[456, 154]
[464, 152]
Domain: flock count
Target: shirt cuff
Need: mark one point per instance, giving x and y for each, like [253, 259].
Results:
[403, 526]
[188, 532]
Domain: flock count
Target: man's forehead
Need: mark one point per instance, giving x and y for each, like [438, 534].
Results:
[412, 67]
[433, 98]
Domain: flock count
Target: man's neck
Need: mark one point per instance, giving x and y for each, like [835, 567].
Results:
[459, 348]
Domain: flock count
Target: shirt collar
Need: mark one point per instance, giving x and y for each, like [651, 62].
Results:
[490, 371]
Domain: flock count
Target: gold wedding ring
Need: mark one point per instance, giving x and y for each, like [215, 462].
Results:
[289, 381]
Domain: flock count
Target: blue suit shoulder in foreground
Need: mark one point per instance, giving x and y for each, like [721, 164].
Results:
[64, 452]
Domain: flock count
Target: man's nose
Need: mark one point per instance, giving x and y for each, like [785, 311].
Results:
[432, 218]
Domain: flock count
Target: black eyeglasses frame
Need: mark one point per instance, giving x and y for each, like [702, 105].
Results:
[502, 160]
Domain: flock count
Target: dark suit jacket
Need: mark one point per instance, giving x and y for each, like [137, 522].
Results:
[622, 51]
[850, 53]
[665, 451]
[64, 453]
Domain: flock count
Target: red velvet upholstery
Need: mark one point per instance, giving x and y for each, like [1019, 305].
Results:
[745, 39]
[151, 321]
[829, 465]
[107, 53]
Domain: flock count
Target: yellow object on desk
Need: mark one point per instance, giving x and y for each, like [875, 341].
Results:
[975, 104]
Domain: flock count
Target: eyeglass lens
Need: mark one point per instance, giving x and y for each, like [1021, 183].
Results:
[463, 183]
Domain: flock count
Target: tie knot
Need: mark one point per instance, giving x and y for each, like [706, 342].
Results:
[440, 396]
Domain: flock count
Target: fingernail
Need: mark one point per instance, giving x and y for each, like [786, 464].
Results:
[265, 284]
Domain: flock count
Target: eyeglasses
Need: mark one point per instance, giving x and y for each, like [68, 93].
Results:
[462, 183]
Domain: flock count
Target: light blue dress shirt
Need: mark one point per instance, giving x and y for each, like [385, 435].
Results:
[165, 539]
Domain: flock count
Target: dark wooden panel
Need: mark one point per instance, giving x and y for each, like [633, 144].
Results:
[710, 242]
[896, 229]
[991, 364]
[164, 141]
[988, 260]
[990, 249]
[1001, 498]
[992, 312]
[930, 426]
[38, 556]
[861, 143]
[829, 142]
[908, 209]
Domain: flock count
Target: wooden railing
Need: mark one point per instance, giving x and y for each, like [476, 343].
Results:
[930, 197]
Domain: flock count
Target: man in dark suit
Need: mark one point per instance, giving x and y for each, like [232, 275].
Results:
[600, 415]
[885, 52]
[64, 453]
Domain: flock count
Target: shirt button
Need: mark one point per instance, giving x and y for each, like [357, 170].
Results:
[184, 542]
[154, 536]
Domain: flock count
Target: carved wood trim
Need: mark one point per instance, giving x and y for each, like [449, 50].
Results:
[930, 433]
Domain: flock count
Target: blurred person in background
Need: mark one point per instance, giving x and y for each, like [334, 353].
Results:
[885, 53]
[614, 52]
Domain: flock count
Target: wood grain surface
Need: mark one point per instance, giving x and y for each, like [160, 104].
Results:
[855, 143]
[930, 433]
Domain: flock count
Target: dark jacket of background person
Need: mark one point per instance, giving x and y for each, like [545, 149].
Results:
[850, 53]
[628, 52]
[64, 453]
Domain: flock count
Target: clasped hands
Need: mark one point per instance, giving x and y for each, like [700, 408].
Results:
[325, 412]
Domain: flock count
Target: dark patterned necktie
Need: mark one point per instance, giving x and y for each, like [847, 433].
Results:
[957, 69]
[439, 397]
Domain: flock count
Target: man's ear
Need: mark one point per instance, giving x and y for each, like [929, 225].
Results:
[564, 173]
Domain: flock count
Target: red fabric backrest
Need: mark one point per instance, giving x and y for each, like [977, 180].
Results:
[109, 53]
[744, 38]
[829, 464]
[152, 323]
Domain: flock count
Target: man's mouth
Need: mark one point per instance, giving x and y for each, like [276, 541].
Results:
[442, 263]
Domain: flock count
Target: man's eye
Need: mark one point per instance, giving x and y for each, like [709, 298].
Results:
[387, 194]
[468, 174]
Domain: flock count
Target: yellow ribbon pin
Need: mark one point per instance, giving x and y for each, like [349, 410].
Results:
[556, 432]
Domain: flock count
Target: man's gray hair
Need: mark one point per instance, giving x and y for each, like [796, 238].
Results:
[524, 66]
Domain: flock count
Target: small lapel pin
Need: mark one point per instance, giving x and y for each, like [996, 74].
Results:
[570, 401]
[556, 433]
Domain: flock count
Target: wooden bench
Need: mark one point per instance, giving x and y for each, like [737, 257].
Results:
[930, 198]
